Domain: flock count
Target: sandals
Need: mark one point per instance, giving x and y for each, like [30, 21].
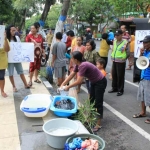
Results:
[147, 121]
[29, 84]
[138, 116]
[96, 128]
[37, 81]
[27, 87]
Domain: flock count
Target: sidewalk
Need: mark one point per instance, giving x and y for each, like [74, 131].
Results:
[10, 111]
[19, 132]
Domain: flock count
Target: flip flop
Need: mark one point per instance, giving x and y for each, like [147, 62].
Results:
[37, 81]
[138, 116]
[30, 84]
[96, 129]
[27, 87]
[147, 121]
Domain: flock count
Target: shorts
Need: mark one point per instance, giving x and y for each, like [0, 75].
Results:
[17, 66]
[60, 72]
[2, 74]
[35, 65]
[144, 92]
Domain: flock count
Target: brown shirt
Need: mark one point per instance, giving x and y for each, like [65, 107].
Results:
[49, 38]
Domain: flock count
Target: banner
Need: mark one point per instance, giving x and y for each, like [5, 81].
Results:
[2, 30]
[139, 35]
[21, 52]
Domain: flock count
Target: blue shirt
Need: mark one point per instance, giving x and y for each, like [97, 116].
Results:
[110, 36]
[145, 74]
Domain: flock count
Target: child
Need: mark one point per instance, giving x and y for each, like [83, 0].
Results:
[100, 63]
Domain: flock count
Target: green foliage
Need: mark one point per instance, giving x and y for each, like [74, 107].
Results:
[91, 11]
[87, 114]
[122, 6]
[53, 15]
[42, 72]
[6, 11]
[30, 21]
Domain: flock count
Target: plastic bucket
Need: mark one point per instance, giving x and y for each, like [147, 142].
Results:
[58, 141]
[91, 136]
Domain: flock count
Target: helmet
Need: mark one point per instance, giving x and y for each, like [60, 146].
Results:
[88, 29]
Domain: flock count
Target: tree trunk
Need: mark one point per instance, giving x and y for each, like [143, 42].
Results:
[48, 3]
[22, 25]
[60, 23]
[65, 7]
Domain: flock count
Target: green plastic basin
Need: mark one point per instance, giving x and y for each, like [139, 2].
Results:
[91, 136]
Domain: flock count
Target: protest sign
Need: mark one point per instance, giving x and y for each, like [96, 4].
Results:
[139, 35]
[21, 52]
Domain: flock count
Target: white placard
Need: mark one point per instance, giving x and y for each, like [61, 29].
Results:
[21, 52]
[139, 35]
[2, 30]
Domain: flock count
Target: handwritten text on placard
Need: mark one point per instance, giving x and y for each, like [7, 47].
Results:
[139, 35]
[2, 30]
[21, 52]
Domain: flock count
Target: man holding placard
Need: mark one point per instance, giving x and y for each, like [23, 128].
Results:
[3, 62]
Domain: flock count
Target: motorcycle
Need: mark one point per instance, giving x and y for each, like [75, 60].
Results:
[47, 51]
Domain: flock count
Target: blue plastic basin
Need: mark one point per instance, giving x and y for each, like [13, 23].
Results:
[63, 112]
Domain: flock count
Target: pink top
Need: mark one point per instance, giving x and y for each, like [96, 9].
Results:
[81, 49]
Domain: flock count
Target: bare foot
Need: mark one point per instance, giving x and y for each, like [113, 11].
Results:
[15, 89]
[4, 94]
[78, 91]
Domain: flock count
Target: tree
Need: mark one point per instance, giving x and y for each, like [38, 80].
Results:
[129, 6]
[97, 11]
[26, 8]
[31, 21]
[46, 9]
[6, 15]
[53, 15]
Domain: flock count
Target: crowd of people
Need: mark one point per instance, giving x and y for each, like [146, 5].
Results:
[89, 65]
[85, 63]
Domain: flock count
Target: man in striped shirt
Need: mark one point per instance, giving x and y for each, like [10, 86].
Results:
[127, 37]
[125, 33]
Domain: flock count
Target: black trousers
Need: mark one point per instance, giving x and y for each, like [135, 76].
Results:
[97, 94]
[118, 76]
[106, 61]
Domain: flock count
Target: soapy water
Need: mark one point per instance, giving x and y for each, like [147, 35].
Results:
[62, 131]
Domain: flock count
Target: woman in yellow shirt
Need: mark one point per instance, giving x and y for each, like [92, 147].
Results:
[3, 65]
[104, 48]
